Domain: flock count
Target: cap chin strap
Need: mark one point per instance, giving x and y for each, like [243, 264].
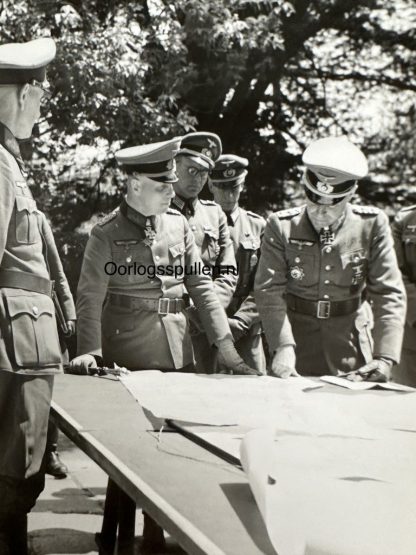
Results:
[309, 185]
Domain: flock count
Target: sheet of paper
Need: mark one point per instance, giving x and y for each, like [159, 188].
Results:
[334, 496]
[254, 402]
[360, 386]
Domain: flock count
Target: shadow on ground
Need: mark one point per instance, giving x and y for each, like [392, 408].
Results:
[61, 540]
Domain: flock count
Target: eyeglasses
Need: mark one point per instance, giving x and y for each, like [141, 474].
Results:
[47, 93]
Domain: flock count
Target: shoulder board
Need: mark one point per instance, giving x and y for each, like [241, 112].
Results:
[173, 211]
[289, 213]
[368, 210]
[208, 202]
[107, 218]
[253, 215]
[408, 208]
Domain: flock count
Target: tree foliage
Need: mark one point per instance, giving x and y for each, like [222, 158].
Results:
[266, 75]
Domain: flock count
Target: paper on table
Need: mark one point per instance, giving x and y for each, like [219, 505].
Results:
[360, 386]
[331, 495]
[254, 402]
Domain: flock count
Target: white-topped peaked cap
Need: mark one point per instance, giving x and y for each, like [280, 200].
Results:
[155, 160]
[23, 62]
[335, 158]
[202, 147]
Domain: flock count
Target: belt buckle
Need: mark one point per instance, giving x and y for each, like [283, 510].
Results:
[323, 310]
[163, 307]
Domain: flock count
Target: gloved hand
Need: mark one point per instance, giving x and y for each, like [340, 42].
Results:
[238, 328]
[81, 363]
[195, 326]
[231, 362]
[71, 327]
[378, 370]
[284, 362]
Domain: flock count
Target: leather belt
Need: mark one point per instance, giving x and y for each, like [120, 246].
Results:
[322, 309]
[27, 281]
[163, 305]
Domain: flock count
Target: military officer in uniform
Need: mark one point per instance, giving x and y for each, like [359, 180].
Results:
[226, 182]
[29, 345]
[404, 234]
[136, 269]
[317, 262]
[197, 155]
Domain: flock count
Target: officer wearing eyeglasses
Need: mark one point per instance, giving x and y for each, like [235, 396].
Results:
[29, 345]
[196, 157]
[318, 263]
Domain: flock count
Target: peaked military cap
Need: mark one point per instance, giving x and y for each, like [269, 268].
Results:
[25, 62]
[228, 168]
[204, 148]
[155, 160]
[333, 166]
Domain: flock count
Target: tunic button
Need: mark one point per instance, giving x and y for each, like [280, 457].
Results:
[327, 268]
[356, 258]
[128, 259]
[271, 239]
[117, 332]
[193, 227]
[157, 257]
[328, 249]
[35, 309]
[297, 260]
[327, 282]
[326, 296]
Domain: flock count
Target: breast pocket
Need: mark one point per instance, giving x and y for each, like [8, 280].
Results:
[354, 267]
[26, 225]
[130, 264]
[302, 268]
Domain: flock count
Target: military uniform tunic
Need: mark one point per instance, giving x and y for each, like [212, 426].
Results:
[360, 257]
[212, 236]
[140, 338]
[246, 230]
[404, 233]
[29, 346]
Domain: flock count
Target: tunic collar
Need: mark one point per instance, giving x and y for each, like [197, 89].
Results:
[135, 216]
[9, 141]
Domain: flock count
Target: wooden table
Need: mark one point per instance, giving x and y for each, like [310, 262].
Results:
[204, 502]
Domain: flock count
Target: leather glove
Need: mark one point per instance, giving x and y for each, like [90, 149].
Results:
[81, 364]
[195, 326]
[238, 328]
[231, 362]
[284, 362]
[378, 370]
[71, 327]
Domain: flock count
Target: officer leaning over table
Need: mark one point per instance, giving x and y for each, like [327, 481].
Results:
[404, 234]
[29, 345]
[317, 263]
[226, 181]
[196, 157]
[138, 320]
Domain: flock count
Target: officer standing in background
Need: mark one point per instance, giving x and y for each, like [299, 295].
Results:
[226, 182]
[136, 317]
[316, 263]
[29, 345]
[404, 234]
[197, 155]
